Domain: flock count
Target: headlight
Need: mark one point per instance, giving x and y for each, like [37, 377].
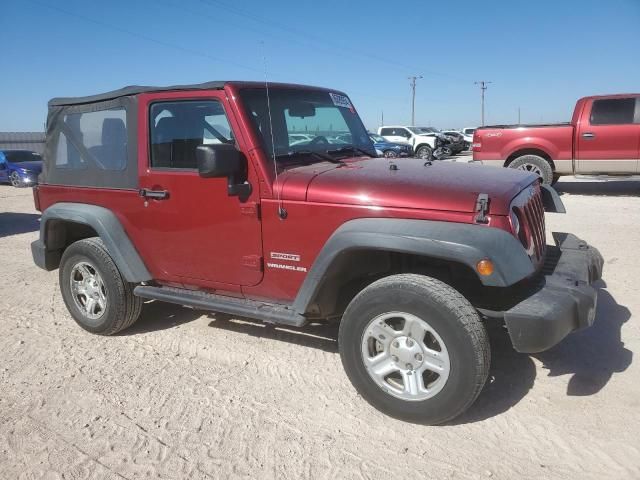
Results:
[515, 223]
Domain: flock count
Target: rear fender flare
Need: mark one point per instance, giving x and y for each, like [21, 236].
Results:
[462, 243]
[108, 228]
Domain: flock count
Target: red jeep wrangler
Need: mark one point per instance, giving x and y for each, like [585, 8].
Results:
[202, 195]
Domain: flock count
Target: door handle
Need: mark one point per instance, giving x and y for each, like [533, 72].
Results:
[155, 194]
[588, 135]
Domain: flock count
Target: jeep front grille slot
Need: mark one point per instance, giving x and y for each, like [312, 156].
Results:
[534, 214]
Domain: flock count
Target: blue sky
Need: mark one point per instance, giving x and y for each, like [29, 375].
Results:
[540, 55]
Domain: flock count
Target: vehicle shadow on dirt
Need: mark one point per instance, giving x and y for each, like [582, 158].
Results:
[316, 335]
[161, 316]
[590, 357]
[12, 223]
[610, 188]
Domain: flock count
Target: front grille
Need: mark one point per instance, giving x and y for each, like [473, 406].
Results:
[533, 214]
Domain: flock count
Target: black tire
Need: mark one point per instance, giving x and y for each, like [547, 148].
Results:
[390, 154]
[122, 306]
[556, 177]
[534, 164]
[449, 314]
[424, 152]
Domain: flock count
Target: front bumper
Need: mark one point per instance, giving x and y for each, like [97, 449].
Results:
[564, 301]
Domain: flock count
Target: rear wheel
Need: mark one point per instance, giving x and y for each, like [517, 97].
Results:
[424, 152]
[414, 348]
[95, 293]
[534, 164]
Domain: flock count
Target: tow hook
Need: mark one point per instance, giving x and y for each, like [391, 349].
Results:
[482, 208]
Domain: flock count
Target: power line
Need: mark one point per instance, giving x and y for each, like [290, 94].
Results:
[483, 86]
[413, 97]
[144, 37]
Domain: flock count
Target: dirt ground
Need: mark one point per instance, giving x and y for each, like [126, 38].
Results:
[189, 395]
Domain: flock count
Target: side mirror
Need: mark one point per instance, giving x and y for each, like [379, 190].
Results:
[218, 160]
[224, 160]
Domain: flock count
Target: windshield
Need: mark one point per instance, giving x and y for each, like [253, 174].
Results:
[20, 156]
[306, 122]
[377, 138]
[469, 131]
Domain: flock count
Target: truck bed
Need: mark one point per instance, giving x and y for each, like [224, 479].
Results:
[526, 125]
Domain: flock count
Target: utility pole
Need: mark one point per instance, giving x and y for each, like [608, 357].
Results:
[483, 86]
[413, 97]
[518, 115]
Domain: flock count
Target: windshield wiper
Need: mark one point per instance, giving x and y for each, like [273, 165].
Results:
[313, 153]
[351, 148]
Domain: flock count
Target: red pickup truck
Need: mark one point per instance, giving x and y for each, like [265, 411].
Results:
[603, 137]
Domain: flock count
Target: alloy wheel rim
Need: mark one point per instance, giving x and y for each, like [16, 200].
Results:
[405, 356]
[88, 290]
[15, 179]
[530, 167]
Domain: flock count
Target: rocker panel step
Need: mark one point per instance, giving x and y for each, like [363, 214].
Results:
[266, 312]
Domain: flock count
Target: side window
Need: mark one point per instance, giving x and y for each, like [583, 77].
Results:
[386, 132]
[405, 133]
[613, 111]
[178, 128]
[103, 133]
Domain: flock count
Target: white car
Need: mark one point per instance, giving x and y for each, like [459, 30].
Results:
[468, 134]
[423, 143]
[298, 138]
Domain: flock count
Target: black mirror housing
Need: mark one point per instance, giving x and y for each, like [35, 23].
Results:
[218, 160]
[224, 160]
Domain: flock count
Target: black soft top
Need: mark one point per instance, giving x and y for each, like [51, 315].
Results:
[132, 90]
[137, 89]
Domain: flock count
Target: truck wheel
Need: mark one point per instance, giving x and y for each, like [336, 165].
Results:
[424, 152]
[534, 164]
[93, 289]
[414, 348]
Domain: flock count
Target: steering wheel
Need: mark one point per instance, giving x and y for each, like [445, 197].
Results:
[319, 140]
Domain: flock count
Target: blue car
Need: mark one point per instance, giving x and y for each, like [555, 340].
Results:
[389, 149]
[20, 168]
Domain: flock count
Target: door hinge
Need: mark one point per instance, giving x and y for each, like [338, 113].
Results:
[250, 210]
[482, 208]
[254, 262]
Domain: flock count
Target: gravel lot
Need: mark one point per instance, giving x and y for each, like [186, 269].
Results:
[189, 395]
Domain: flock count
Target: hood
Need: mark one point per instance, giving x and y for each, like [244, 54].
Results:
[35, 166]
[370, 182]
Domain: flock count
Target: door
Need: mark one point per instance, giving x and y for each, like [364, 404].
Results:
[396, 135]
[195, 232]
[608, 137]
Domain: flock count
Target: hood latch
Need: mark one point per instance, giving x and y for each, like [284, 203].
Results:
[482, 208]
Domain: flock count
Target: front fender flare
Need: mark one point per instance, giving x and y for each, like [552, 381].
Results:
[462, 243]
[108, 228]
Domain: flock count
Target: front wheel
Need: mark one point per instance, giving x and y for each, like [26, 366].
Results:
[414, 348]
[390, 154]
[424, 152]
[15, 180]
[534, 164]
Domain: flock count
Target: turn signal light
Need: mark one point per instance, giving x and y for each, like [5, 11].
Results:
[485, 267]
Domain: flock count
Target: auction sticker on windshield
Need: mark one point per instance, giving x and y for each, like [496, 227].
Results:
[340, 101]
